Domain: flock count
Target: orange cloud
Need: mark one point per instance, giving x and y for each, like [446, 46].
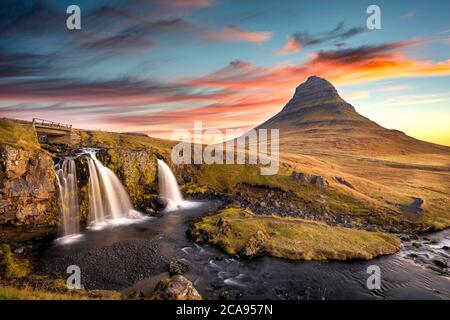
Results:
[293, 45]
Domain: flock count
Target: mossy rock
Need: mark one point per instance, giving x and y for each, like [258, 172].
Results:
[10, 267]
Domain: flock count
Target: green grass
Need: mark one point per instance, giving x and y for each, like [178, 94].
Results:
[26, 293]
[18, 134]
[11, 268]
[225, 179]
[126, 141]
[291, 238]
[11, 293]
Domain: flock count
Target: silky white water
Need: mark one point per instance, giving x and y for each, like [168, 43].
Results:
[169, 192]
[66, 177]
[108, 200]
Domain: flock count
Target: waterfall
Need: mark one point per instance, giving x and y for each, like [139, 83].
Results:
[66, 177]
[169, 192]
[108, 199]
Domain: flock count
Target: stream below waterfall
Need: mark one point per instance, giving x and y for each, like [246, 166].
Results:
[135, 257]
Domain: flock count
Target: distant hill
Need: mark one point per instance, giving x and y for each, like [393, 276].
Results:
[139, 134]
[318, 119]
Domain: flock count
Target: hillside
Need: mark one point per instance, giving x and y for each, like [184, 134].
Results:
[322, 134]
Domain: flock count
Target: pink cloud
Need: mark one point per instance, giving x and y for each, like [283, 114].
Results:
[293, 45]
[232, 33]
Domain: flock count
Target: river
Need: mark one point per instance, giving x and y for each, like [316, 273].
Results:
[409, 274]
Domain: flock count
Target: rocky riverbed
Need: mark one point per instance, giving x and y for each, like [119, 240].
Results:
[112, 267]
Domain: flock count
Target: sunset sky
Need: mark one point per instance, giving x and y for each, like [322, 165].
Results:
[155, 66]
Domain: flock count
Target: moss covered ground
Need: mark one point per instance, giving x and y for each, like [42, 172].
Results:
[239, 231]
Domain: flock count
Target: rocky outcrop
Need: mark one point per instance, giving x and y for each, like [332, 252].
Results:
[317, 181]
[27, 187]
[344, 182]
[255, 246]
[176, 288]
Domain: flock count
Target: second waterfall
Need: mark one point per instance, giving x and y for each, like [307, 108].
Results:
[108, 199]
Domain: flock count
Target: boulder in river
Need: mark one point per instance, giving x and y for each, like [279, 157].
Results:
[176, 288]
[177, 267]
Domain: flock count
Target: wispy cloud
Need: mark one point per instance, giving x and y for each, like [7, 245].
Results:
[409, 15]
[234, 33]
[240, 93]
[408, 100]
[292, 45]
[305, 39]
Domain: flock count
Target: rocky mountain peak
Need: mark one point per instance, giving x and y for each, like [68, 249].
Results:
[315, 88]
[315, 91]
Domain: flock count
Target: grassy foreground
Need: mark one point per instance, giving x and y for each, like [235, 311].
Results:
[17, 134]
[17, 282]
[25, 293]
[239, 231]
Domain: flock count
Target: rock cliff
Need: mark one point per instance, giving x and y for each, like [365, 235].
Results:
[27, 187]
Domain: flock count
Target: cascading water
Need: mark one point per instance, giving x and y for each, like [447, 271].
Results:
[108, 200]
[169, 192]
[66, 177]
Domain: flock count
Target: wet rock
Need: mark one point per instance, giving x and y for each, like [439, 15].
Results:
[224, 295]
[19, 250]
[137, 295]
[440, 263]
[150, 211]
[414, 237]
[177, 267]
[405, 237]
[416, 244]
[176, 288]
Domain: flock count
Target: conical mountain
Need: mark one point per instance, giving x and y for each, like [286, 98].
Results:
[318, 119]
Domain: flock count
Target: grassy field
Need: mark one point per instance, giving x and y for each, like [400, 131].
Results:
[240, 231]
[18, 134]
[28, 293]
[126, 141]
[383, 185]
[387, 183]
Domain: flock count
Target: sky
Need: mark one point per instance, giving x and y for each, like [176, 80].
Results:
[157, 65]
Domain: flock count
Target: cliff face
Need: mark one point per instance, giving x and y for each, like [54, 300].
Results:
[27, 187]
